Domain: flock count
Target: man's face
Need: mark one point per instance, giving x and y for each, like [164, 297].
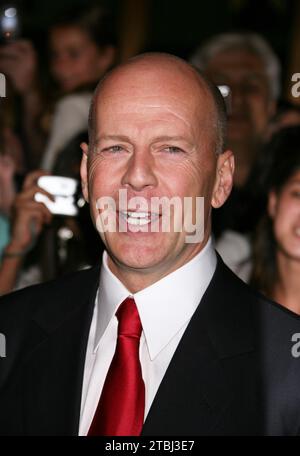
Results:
[251, 103]
[153, 138]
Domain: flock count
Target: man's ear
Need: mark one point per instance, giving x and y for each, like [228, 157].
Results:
[224, 179]
[272, 204]
[84, 171]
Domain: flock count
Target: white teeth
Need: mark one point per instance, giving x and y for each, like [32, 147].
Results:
[138, 221]
[137, 214]
[138, 218]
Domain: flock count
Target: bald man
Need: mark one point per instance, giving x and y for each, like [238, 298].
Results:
[160, 338]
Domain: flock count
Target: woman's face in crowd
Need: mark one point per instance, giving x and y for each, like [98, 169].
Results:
[75, 59]
[284, 209]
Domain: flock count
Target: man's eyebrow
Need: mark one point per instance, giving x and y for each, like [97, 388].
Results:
[127, 139]
[170, 138]
[112, 137]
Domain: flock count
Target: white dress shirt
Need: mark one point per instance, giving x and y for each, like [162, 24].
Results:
[165, 309]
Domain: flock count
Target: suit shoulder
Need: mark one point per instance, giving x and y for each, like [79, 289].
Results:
[23, 303]
[229, 283]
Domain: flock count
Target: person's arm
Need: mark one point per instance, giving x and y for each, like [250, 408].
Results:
[30, 218]
[7, 189]
[9, 270]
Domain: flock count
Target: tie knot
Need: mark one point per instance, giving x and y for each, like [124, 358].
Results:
[129, 319]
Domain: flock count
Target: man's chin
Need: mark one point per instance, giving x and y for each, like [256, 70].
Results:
[131, 257]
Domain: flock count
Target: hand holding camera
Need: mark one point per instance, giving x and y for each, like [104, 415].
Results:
[63, 191]
[29, 216]
[42, 197]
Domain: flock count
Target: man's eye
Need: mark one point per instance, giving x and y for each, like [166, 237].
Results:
[173, 150]
[114, 149]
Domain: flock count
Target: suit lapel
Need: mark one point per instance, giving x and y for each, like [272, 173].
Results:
[202, 379]
[56, 355]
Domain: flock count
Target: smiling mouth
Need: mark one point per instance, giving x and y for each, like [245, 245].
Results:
[138, 218]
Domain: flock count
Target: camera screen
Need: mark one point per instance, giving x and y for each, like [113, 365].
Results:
[9, 24]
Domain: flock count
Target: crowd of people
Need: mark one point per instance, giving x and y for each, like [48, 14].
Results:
[42, 135]
[82, 48]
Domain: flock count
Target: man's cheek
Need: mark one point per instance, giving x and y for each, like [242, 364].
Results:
[97, 185]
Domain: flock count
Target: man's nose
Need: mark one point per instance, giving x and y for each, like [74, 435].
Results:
[140, 171]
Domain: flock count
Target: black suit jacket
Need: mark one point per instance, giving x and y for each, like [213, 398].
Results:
[232, 374]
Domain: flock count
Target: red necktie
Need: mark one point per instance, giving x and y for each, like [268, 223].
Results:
[121, 406]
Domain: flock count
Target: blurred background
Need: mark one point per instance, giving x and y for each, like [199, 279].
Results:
[177, 26]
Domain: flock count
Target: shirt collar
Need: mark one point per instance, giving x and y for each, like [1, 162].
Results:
[177, 295]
